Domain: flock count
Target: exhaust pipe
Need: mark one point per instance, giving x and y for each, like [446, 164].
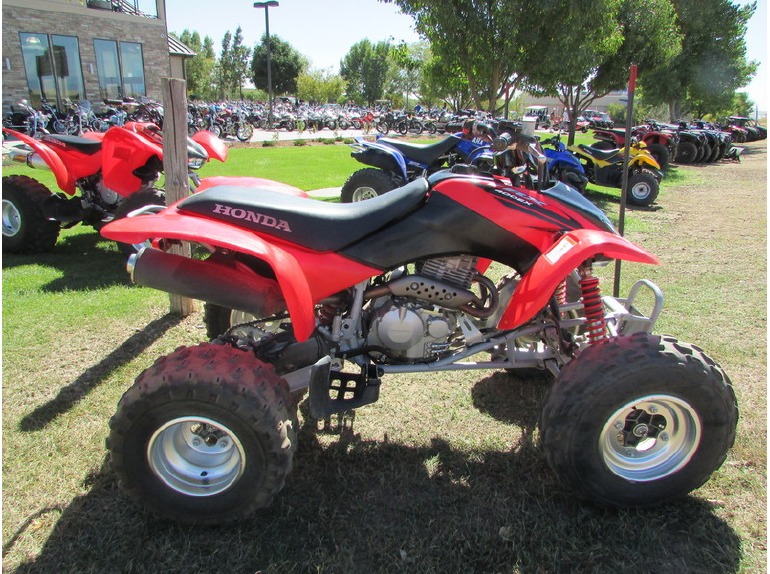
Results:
[228, 284]
[31, 158]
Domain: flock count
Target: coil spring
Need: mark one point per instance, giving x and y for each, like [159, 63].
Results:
[594, 309]
[561, 293]
[327, 311]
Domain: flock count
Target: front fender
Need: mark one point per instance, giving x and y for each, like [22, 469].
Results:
[569, 252]
[214, 146]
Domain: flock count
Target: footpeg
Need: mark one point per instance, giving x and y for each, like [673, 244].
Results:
[334, 392]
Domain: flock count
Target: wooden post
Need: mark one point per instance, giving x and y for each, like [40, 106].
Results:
[175, 165]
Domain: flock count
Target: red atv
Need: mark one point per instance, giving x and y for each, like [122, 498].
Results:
[661, 144]
[344, 294]
[114, 172]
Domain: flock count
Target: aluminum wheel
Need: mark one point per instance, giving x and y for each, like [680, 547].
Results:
[196, 456]
[650, 438]
[363, 193]
[11, 219]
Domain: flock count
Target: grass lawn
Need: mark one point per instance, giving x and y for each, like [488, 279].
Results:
[443, 474]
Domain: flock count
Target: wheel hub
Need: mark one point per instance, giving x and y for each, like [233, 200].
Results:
[362, 193]
[196, 456]
[11, 219]
[650, 438]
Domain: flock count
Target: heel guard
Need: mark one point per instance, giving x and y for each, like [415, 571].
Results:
[334, 392]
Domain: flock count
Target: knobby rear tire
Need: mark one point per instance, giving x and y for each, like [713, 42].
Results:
[26, 230]
[206, 435]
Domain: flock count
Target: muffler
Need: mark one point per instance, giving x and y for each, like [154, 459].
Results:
[227, 283]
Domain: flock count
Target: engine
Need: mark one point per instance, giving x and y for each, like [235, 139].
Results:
[415, 317]
[107, 195]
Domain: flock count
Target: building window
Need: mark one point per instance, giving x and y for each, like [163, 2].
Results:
[52, 64]
[120, 67]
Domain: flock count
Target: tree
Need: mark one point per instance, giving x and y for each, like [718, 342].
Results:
[441, 80]
[233, 63]
[712, 64]
[406, 68]
[199, 68]
[320, 86]
[624, 32]
[483, 39]
[365, 69]
[222, 71]
[286, 64]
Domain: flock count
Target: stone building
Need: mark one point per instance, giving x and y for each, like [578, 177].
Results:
[86, 49]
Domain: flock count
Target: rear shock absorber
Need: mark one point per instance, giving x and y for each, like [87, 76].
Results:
[561, 293]
[592, 305]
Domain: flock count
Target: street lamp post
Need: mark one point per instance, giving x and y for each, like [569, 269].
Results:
[266, 6]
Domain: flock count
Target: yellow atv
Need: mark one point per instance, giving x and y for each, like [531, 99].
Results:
[605, 167]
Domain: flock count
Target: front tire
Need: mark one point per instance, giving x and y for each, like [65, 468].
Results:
[244, 132]
[643, 188]
[366, 184]
[638, 421]
[686, 152]
[660, 153]
[206, 435]
[25, 229]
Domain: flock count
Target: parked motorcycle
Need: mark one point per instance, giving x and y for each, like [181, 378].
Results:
[102, 176]
[605, 167]
[26, 119]
[233, 123]
[402, 283]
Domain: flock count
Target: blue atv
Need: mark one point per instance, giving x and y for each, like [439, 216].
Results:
[563, 165]
[395, 163]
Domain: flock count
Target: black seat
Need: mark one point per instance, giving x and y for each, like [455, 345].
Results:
[423, 153]
[317, 225]
[602, 154]
[85, 145]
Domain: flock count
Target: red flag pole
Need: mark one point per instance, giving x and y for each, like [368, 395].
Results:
[624, 184]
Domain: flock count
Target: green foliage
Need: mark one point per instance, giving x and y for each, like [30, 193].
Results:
[365, 69]
[712, 64]
[484, 40]
[320, 86]
[286, 64]
[594, 59]
[200, 68]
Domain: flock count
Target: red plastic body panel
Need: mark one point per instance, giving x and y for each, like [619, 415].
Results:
[214, 146]
[67, 164]
[255, 182]
[124, 150]
[305, 277]
[572, 249]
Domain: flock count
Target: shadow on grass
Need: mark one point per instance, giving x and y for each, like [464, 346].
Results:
[86, 261]
[355, 505]
[95, 375]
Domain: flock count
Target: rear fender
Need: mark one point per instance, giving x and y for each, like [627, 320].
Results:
[304, 277]
[50, 157]
[569, 252]
[382, 157]
[254, 182]
[214, 146]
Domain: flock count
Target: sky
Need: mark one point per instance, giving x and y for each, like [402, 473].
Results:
[324, 30]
